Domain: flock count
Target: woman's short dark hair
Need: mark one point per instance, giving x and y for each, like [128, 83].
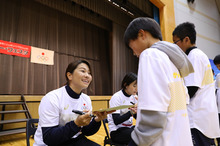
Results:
[144, 23]
[73, 65]
[128, 79]
[185, 29]
[217, 59]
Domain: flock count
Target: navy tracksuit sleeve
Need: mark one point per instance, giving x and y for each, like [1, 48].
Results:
[92, 128]
[57, 135]
[118, 119]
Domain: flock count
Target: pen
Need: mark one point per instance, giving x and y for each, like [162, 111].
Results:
[132, 103]
[81, 113]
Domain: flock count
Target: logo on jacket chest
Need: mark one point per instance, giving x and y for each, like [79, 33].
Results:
[84, 107]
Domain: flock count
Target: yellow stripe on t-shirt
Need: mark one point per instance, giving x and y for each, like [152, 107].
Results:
[178, 96]
[208, 77]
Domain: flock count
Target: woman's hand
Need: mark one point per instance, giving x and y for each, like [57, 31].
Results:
[83, 120]
[101, 115]
[133, 110]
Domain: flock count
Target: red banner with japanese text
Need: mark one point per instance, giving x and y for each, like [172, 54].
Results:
[15, 49]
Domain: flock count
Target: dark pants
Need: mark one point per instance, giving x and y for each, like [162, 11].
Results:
[80, 141]
[132, 143]
[122, 135]
[201, 140]
[218, 139]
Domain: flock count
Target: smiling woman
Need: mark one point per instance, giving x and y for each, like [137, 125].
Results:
[78, 75]
[58, 125]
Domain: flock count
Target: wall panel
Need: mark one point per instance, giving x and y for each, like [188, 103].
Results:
[34, 24]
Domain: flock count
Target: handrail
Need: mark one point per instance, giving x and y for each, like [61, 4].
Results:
[37, 98]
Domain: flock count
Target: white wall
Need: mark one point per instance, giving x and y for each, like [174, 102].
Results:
[204, 14]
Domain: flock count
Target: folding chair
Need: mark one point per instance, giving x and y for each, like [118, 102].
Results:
[107, 139]
[30, 129]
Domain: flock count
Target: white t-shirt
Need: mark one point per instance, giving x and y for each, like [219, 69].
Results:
[202, 109]
[160, 88]
[56, 109]
[217, 86]
[116, 100]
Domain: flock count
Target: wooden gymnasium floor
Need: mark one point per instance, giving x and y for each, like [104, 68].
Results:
[20, 139]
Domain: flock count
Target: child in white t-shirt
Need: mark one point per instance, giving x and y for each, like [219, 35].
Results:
[217, 82]
[162, 118]
[202, 109]
[217, 86]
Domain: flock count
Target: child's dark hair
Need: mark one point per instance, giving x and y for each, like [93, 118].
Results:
[128, 79]
[217, 59]
[144, 23]
[186, 29]
[73, 65]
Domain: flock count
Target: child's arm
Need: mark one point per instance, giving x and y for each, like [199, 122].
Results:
[150, 127]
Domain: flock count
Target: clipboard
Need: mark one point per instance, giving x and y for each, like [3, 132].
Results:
[114, 108]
